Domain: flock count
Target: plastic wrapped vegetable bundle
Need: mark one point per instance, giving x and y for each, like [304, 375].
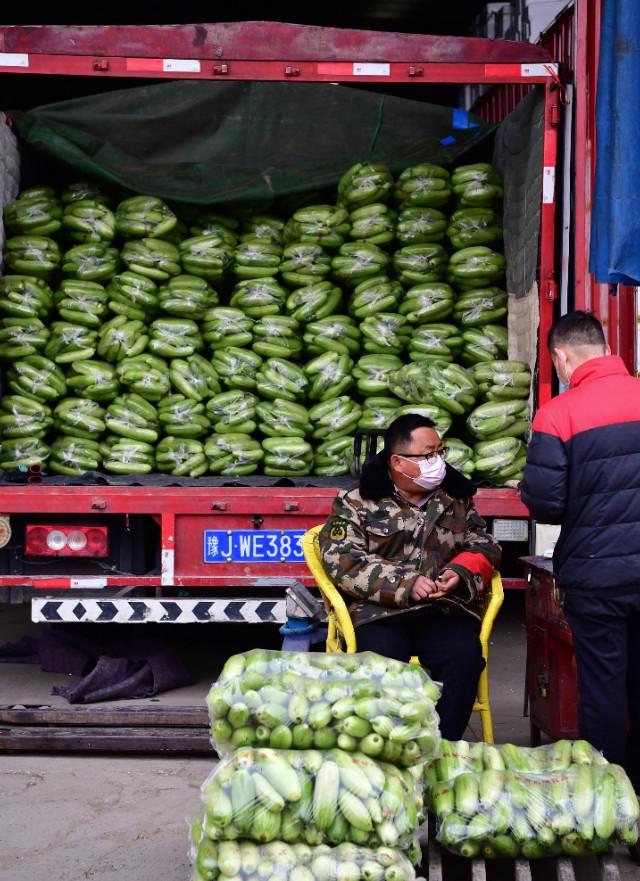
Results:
[499, 419]
[451, 387]
[419, 225]
[181, 457]
[460, 456]
[144, 216]
[93, 262]
[263, 226]
[380, 707]
[277, 336]
[477, 185]
[476, 267]
[314, 301]
[133, 295]
[280, 378]
[313, 797]
[24, 417]
[329, 376]
[335, 418]
[378, 294]
[303, 264]
[281, 418]
[427, 302]
[337, 333]
[287, 456]
[378, 412]
[582, 809]
[233, 453]
[224, 327]
[474, 226]
[374, 223]
[358, 261]
[435, 342]
[82, 302]
[363, 184]
[503, 380]
[334, 458]
[87, 220]
[372, 373]
[248, 861]
[33, 255]
[326, 225]
[386, 333]
[500, 460]
[24, 296]
[257, 258]
[481, 306]
[22, 452]
[187, 296]
[20, 337]
[424, 185]
[36, 212]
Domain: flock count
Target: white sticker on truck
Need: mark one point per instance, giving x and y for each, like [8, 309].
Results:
[362, 68]
[180, 65]
[548, 185]
[14, 59]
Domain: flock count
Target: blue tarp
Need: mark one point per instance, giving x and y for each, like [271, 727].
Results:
[615, 229]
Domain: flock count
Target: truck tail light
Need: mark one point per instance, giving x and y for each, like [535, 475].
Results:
[66, 541]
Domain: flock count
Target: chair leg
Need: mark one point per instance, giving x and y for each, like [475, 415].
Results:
[484, 702]
[486, 720]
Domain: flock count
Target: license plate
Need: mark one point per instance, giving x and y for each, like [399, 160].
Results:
[253, 546]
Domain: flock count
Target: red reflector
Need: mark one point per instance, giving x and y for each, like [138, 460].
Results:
[66, 541]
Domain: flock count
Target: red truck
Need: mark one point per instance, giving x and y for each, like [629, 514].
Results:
[225, 551]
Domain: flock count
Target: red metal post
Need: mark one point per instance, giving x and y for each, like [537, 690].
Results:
[548, 282]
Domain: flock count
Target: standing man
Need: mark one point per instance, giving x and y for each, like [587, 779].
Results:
[410, 549]
[583, 472]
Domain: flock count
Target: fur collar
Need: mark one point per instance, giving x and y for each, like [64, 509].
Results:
[375, 483]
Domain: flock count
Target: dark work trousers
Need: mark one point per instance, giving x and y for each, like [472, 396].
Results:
[606, 644]
[448, 647]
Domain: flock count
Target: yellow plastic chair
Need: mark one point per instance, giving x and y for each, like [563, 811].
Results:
[341, 635]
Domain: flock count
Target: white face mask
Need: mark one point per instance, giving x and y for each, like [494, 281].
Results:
[431, 473]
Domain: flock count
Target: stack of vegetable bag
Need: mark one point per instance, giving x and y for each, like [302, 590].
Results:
[530, 802]
[144, 337]
[322, 764]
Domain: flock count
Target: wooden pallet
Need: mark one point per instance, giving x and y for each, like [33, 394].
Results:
[441, 866]
[99, 729]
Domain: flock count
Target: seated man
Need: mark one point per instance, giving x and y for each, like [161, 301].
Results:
[411, 549]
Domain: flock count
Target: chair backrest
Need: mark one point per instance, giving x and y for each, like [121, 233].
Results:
[341, 636]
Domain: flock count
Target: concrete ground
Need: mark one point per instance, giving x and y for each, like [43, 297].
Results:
[111, 818]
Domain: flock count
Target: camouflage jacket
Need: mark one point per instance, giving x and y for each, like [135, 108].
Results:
[374, 549]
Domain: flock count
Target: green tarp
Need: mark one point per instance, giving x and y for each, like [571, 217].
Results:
[213, 142]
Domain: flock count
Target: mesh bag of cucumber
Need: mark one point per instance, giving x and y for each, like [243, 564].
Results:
[506, 801]
[141, 336]
[321, 771]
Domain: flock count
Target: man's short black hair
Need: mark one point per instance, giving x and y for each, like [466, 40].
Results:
[400, 431]
[576, 329]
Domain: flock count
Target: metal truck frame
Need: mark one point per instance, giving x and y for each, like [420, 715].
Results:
[160, 529]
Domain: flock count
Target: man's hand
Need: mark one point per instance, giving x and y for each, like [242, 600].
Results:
[423, 588]
[446, 583]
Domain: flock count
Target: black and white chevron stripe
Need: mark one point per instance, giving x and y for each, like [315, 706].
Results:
[168, 611]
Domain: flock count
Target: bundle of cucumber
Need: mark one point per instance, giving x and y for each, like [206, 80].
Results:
[377, 706]
[311, 796]
[341, 317]
[248, 861]
[581, 809]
